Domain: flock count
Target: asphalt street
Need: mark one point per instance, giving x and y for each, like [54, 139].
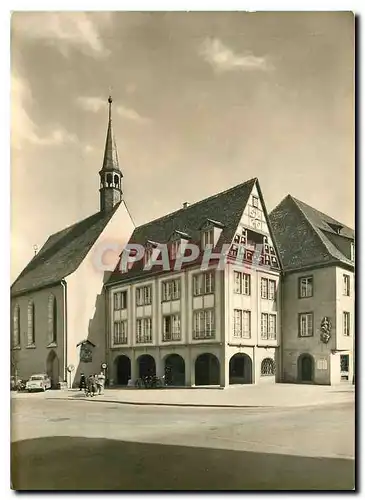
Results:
[91, 445]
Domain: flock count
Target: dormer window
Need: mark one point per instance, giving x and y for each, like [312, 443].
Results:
[150, 246]
[178, 240]
[175, 245]
[210, 231]
[208, 237]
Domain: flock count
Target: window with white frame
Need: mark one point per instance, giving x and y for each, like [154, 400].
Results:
[242, 324]
[272, 290]
[208, 237]
[242, 283]
[120, 300]
[204, 324]
[171, 328]
[346, 323]
[16, 326]
[120, 334]
[268, 326]
[170, 290]
[306, 324]
[144, 331]
[31, 323]
[346, 285]
[305, 287]
[144, 295]
[352, 251]
[255, 201]
[264, 288]
[272, 327]
[203, 284]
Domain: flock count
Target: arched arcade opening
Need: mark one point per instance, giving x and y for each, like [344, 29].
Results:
[207, 370]
[240, 369]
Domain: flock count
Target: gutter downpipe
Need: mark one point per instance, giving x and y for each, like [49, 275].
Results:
[65, 336]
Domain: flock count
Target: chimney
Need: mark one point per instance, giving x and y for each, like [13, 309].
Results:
[186, 204]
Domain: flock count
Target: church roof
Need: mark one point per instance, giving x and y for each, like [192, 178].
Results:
[62, 253]
[226, 208]
[307, 237]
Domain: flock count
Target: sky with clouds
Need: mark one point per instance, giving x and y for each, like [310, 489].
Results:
[202, 101]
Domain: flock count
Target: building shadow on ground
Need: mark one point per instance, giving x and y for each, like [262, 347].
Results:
[75, 463]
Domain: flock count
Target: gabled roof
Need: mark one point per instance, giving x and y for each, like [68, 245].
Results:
[305, 237]
[226, 207]
[62, 253]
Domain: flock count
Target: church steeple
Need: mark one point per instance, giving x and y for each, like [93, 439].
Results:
[110, 174]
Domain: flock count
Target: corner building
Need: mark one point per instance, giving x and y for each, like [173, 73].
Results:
[318, 291]
[214, 326]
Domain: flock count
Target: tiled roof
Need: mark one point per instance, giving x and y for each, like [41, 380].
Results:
[304, 236]
[62, 253]
[226, 208]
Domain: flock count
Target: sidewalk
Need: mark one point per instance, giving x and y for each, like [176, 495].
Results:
[275, 395]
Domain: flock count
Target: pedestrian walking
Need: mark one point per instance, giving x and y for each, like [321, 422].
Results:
[101, 379]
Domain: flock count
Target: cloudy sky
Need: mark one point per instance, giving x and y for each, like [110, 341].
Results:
[202, 101]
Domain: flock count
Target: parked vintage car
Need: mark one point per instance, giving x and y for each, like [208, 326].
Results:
[38, 382]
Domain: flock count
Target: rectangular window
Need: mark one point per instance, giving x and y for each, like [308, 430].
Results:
[144, 295]
[170, 290]
[242, 324]
[171, 328]
[264, 326]
[346, 285]
[120, 333]
[255, 201]
[242, 283]
[203, 283]
[144, 331]
[264, 288]
[204, 324]
[272, 290]
[305, 287]
[272, 327]
[346, 324]
[352, 252]
[120, 300]
[306, 325]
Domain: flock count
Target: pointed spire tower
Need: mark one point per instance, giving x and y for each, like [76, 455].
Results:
[110, 174]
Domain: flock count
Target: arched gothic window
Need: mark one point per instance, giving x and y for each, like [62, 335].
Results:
[267, 367]
[31, 323]
[16, 326]
[52, 319]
